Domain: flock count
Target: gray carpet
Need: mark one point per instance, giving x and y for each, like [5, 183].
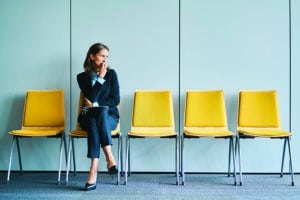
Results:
[149, 186]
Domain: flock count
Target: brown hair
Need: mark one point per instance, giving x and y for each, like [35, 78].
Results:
[88, 64]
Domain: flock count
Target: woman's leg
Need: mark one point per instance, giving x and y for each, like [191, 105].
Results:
[89, 123]
[109, 156]
[92, 177]
[106, 123]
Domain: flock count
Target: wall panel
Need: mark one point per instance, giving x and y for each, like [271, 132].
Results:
[143, 41]
[295, 81]
[233, 45]
[34, 54]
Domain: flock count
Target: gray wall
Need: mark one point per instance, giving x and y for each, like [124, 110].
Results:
[191, 44]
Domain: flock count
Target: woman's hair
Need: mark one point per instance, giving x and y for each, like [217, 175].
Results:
[95, 48]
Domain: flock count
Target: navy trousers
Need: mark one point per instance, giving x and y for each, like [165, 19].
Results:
[98, 123]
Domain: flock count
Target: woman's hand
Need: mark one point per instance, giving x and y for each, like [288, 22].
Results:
[102, 69]
[88, 103]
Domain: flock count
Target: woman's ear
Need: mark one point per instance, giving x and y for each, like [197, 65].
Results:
[92, 57]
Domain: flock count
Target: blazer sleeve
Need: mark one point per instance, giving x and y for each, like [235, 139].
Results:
[91, 93]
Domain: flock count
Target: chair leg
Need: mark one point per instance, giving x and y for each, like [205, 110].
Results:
[119, 158]
[229, 157]
[10, 158]
[73, 156]
[127, 158]
[122, 162]
[69, 158]
[238, 150]
[182, 160]
[19, 155]
[291, 164]
[176, 159]
[65, 147]
[283, 157]
[60, 158]
[129, 162]
[233, 158]
[180, 157]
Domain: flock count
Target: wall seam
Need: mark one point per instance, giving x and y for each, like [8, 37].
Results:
[70, 56]
[290, 66]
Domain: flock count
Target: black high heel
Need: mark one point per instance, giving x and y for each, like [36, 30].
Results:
[90, 186]
[112, 170]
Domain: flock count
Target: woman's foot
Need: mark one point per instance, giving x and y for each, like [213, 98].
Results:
[91, 181]
[112, 170]
[90, 186]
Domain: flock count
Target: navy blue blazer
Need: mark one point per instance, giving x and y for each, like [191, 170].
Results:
[106, 94]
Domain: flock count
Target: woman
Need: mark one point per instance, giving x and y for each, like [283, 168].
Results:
[100, 86]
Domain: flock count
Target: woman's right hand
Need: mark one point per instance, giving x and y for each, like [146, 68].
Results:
[102, 69]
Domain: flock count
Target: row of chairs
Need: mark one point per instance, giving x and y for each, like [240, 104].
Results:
[152, 116]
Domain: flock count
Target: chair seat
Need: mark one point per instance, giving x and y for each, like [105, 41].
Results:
[37, 132]
[269, 133]
[82, 133]
[152, 132]
[78, 133]
[204, 132]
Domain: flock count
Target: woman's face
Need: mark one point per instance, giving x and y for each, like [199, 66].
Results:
[100, 57]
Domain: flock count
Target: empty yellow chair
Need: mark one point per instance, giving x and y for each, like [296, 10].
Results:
[258, 116]
[205, 117]
[152, 117]
[80, 133]
[43, 116]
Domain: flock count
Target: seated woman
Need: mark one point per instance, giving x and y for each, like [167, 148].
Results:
[100, 86]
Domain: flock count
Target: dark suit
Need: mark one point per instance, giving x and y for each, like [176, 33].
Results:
[99, 121]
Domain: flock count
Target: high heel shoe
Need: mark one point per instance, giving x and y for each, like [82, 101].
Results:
[112, 170]
[90, 186]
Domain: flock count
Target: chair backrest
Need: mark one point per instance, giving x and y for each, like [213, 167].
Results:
[258, 108]
[44, 109]
[80, 106]
[152, 108]
[205, 108]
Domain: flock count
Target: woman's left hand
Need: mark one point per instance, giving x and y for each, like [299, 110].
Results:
[88, 103]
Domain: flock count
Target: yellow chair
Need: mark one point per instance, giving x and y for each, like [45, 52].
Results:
[80, 133]
[258, 116]
[43, 116]
[205, 117]
[152, 117]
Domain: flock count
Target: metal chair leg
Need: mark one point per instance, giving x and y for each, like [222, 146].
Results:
[129, 162]
[127, 158]
[180, 156]
[233, 158]
[229, 157]
[176, 159]
[10, 158]
[291, 164]
[182, 159]
[122, 161]
[60, 158]
[119, 158]
[283, 157]
[238, 149]
[19, 155]
[69, 158]
[73, 156]
[65, 147]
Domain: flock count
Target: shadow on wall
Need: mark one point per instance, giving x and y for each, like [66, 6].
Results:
[125, 108]
[14, 121]
[16, 114]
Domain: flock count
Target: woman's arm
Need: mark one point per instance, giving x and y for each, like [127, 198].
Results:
[90, 93]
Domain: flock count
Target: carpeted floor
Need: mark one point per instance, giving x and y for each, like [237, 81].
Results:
[43, 185]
